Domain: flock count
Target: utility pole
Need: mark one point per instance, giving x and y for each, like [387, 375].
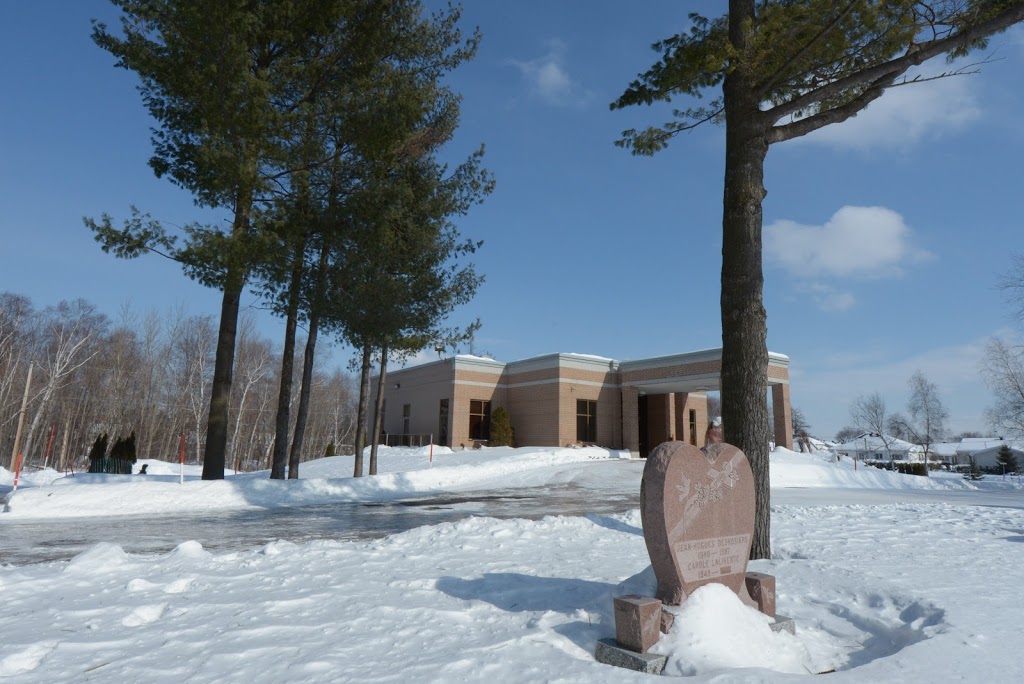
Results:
[21, 420]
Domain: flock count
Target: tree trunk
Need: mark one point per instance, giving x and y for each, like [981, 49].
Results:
[220, 393]
[378, 413]
[307, 367]
[63, 461]
[284, 397]
[304, 392]
[364, 399]
[744, 377]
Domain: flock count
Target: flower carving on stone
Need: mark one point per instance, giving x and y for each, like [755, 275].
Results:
[683, 489]
[729, 476]
[707, 492]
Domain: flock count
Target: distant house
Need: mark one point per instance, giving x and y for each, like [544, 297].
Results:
[565, 399]
[871, 447]
[989, 457]
[944, 452]
[972, 446]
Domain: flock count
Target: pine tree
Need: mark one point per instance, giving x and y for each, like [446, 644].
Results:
[99, 447]
[775, 71]
[330, 449]
[501, 428]
[117, 451]
[130, 450]
[974, 471]
[1006, 459]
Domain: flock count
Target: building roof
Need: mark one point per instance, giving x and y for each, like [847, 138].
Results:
[971, 445]
[944, 448]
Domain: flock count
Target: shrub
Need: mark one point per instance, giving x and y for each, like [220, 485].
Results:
[501, 428]
[330, 449]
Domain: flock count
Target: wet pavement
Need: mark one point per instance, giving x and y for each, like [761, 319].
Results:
[38, 541]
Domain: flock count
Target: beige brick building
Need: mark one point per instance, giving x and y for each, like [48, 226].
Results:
[562, 399]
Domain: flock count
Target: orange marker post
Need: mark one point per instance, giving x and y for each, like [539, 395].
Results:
[17, 472]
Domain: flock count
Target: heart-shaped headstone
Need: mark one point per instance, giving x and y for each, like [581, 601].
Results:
[697, 507]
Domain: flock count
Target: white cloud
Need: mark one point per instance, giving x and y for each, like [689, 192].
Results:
[827, 298]
[548, 79]
[906, 115]
[856, 242]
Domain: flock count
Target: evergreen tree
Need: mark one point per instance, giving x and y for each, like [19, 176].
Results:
[130, 450]
[117, 451]
[99, 447]
[1007, 459]
[228, 84]
[501, 428]
[974, 471]
[778, 70]
[330, 449]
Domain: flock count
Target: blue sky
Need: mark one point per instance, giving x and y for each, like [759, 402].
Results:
[883, 236]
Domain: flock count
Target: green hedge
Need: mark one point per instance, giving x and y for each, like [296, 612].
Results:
[113, 466]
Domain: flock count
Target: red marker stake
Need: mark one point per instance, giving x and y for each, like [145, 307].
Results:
[17, 473]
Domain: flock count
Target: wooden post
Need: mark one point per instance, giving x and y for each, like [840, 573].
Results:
[21, 419]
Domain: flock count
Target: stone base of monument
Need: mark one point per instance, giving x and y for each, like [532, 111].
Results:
[783, 624]
[761, 588]
[637, 622]
[610, 653]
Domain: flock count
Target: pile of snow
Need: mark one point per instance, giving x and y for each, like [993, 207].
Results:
[401, 473]
[822, 469]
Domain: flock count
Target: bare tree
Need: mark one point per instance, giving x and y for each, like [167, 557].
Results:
[1003, 370]
[928, 414]
[1012, 285]
[847, 433]
[70, 327]
[193, 344]
[252, 366]
[150, 374]
[870, 415]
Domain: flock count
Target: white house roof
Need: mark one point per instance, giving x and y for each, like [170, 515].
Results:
[944, 448]
[870, 442]
[970, 445]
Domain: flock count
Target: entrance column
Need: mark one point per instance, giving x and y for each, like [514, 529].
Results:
[783, 414]
[631, 420]
[670, 417]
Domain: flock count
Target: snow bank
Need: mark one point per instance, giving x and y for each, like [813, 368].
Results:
[402, 473]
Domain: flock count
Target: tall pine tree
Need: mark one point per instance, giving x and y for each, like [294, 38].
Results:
[776, 70]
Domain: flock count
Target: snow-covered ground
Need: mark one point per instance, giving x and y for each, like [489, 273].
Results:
[906, 592]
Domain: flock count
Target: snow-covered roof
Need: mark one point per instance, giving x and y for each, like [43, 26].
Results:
[944, 448]
[970, 445]
[871, 442]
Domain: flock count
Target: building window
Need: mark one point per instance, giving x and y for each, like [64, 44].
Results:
[693, 427]
[586, 420]
[406, 410]
[442, 423]
[479, 420]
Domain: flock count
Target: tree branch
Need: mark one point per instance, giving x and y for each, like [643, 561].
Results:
[915, 55]
[774, 78]
[831, 116]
